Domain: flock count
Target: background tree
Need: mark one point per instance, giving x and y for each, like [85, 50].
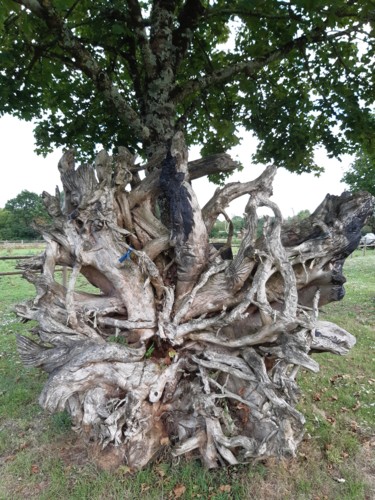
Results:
[361, 174]
[6, 228]
[361, 177]
[302, 214]
[207, 351]
[22, 211]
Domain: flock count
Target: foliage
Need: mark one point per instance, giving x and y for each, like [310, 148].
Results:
[296, 74]
[302, 214]
[16, 219]
[6, 227]
[361, 175]
[220, 228]
[238, 223]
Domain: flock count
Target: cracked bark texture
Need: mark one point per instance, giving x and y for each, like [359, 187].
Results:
[177, 348]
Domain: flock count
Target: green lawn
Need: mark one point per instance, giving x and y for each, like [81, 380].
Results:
[40, 457]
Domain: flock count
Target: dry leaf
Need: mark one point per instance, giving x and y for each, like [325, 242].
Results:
[160, 472]
[331, 420]
[179, 490]
[123, 470]
[225, 488]
[356, 406]
[164, 441]
[317, 397]
[354, 426]
[35, 469]
[334, 378]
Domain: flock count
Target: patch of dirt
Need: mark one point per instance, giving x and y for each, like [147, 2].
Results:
[365, 462]
[108, 459]
[71, 450]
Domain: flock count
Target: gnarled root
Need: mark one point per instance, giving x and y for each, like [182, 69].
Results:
[178, 348]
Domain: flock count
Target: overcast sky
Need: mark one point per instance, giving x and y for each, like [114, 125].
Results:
[22, 169]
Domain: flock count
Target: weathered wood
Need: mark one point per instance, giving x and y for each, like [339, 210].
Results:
[178, 345]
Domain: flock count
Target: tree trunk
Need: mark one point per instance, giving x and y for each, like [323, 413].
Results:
[179, 348]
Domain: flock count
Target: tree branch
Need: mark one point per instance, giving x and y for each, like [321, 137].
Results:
[252, 67]
[137, 23]
[230, 192]
[83, 60]
[221, 162]
[191, 13]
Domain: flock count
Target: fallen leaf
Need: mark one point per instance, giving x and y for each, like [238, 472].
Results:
[331, 420]
[333, 398]
[35, 469]
[317, 397]
[225, 488]
[334, 378]
[160, 472]
[164, 441]
[179, 490]
[356, 406]
[123, 470]
[354, 426]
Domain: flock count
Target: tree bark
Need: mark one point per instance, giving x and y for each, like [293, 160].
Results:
[178, 348]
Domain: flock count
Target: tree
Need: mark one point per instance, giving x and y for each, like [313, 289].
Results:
[206, 351]
[361, 174]
[361, 177]
[6, 232]
[23, 210]
[302, 214]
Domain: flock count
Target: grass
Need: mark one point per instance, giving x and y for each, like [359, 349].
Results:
[40, 457]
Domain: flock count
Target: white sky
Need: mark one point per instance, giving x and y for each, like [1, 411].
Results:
[22, 169]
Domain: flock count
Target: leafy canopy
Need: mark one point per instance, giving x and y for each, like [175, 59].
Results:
[296, 73]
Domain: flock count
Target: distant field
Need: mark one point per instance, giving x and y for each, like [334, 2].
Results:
[40, 457]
